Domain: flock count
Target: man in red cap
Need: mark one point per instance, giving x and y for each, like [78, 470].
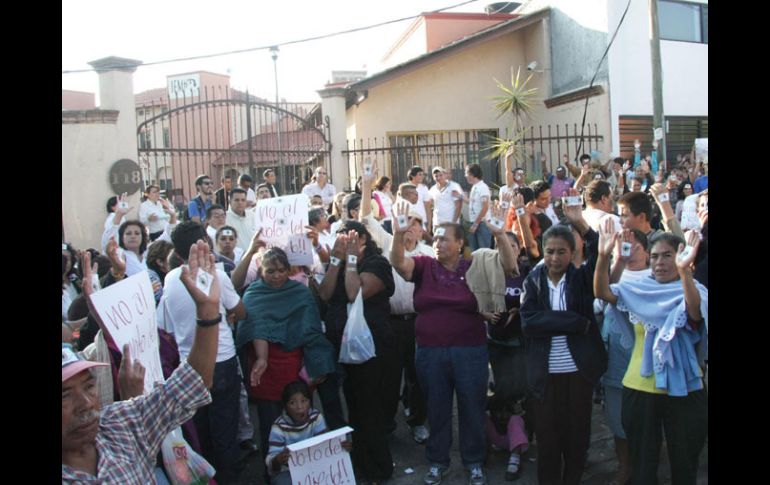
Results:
[120, 443]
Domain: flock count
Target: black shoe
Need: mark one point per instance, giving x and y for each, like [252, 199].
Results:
[249, 447]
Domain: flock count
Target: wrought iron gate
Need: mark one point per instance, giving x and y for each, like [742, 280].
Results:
[225, 133]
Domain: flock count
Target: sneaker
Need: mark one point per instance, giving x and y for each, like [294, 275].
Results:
[434, 475]
[477, 476]
[514, 467]
[420, 434]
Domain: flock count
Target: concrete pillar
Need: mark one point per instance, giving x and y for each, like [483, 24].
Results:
[333, 106]
[116, 92]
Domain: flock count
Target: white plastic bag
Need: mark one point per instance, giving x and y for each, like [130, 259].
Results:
[183, 465]
[357, 342]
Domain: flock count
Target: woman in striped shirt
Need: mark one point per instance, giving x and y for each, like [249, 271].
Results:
[565, 353]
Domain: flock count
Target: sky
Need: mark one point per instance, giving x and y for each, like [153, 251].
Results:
[156, 30]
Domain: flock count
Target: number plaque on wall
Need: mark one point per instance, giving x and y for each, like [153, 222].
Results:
[125, 176]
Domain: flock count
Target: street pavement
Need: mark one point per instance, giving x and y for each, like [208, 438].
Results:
[411, 465]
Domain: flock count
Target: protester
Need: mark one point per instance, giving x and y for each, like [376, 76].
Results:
[157, 266]
[685, 190]
[480, 235]
[196, 209]
[269, 179]
[506, 430]
[663, 386]
[565, 352]
[383, 195]
[153, 213]
[216, 217]
[351, 205]
[217, 423]
[263, 192]
[120, 444]
[635, 211]
[416, 176]
[446, 199]
[222, 195]
[545, 214]
[402, 317]
[560, 183]
[240, 218]
[451, 353]
[514, 177]
[320, 186]
[598, 200]
[357, 265]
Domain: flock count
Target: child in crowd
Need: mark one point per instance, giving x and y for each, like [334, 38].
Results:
[299, 421]
[506, 430]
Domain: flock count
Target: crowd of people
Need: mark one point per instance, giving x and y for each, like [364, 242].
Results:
[588, 282]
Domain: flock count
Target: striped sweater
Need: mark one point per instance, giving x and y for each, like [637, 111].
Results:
[285, 432]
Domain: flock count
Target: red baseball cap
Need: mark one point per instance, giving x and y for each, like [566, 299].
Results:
[72, 363]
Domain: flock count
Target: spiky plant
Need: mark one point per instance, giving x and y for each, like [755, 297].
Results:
[519, 101]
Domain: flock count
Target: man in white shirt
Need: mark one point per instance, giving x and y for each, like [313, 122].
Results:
[241, 218]
[215, 218]
[320, 186]
[152, 214]
[245, 182]
[514, 177]
[598, 198]
[478, 207]
[217, 423]
[416, 176]
[402, 311]
[446, 197]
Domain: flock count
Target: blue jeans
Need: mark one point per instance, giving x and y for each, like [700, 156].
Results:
[442, 371]
[482, 238]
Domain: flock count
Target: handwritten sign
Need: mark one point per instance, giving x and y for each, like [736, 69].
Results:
[282, 221]
[126, 312]
[321, 460]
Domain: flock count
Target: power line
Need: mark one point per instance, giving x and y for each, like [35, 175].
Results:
[252, 49]
[607, 50]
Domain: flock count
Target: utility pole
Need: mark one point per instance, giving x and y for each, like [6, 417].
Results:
[274, 52]
[658, 120]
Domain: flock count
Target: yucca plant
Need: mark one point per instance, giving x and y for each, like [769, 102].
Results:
[519, 101]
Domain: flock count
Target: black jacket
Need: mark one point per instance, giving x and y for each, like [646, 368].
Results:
[540, 323]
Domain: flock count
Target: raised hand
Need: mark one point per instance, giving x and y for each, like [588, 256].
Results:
[256, 242]
[338, 251]
[572, 212]
[402, 209]
[130, 376]
[607, 237]
[496, 212]
[312, 234]
[89, 288]
[686, 254]
[352, 244]
[201, 260]
[123, 201]
[117, 258]
[625, 238]
[372, 176]
[657, 190]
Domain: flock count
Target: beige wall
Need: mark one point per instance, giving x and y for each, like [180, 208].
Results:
[454, 93]
[88, 151]
[442, 30]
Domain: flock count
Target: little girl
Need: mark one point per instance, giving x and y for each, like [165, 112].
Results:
[299, 421]
[506, 430]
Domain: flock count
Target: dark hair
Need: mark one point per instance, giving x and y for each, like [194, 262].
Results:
[314, 215]
[293, 388]
[597, 189]
[352, 225]
[231, 228]
[669, 238]
[200, 179]
[104, 264]
[185, 235]
[236, 190]
[111, 203]
[527, 193]
[277, 255]
[637, 203]
[263, 186]
[267, 172]
[381, 182]
[142, 230]
[211, 210]
[158, 250]
[641, 238]
[245, 178]
[519, 168]
[174, 261]
[351, 202]
[414, 171]
[458, 230]
[150, 187]
[474, 169]
[561, 231]
[618, 160]
[585, 156]
[539, 186]
[639, 179]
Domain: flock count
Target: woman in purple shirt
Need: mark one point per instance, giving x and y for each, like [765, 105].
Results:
[451, 351]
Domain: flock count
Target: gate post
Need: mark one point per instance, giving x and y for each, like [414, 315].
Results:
[333, 106]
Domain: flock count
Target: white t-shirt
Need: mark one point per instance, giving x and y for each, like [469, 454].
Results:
[444, 202]
[552, 215]
[387, 204]
[176, 314]
[149, 208]
[479, 193]
[327, 192]
[245, 226]
[595, 218]
[423, 195]
[251, 196]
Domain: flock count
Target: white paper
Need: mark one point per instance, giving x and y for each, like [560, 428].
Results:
[321, 460]
[126, 312]
[282, 221]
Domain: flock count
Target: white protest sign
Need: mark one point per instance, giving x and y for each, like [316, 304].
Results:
[126, 311]
[282, 221]
[702, 149]
[321, 460]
